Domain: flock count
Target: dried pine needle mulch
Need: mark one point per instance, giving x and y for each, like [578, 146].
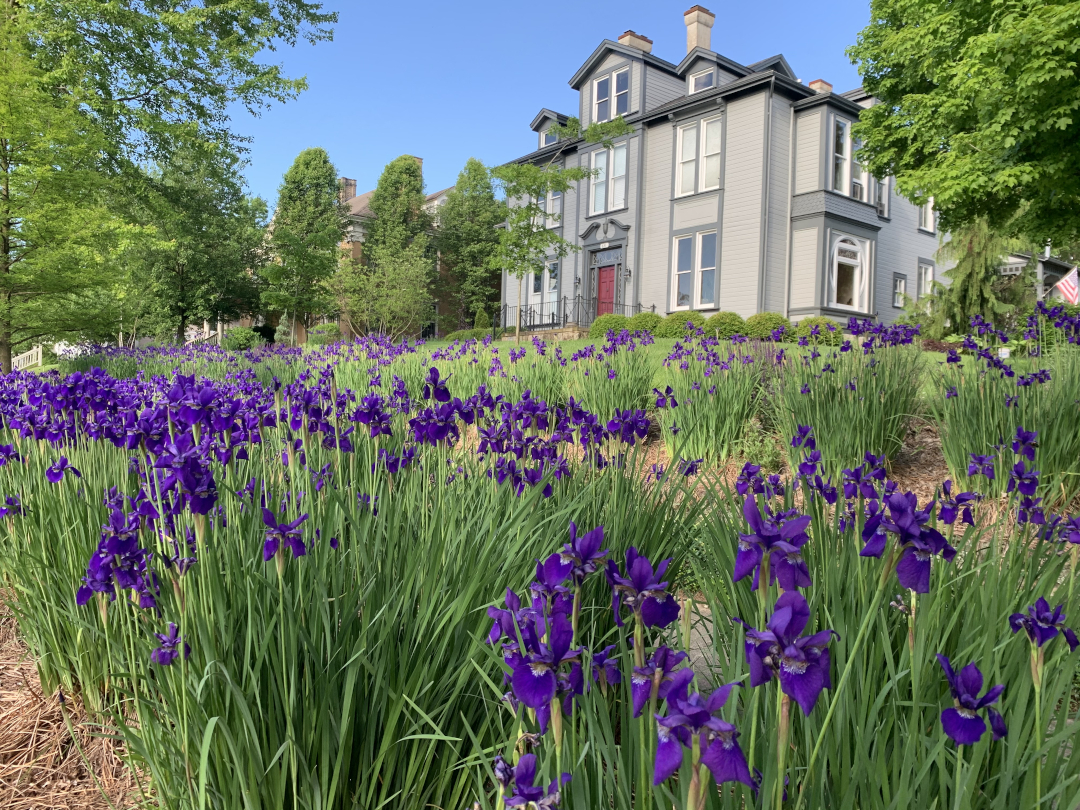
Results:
[40, 767]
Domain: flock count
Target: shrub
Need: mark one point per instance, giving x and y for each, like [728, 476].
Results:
[482, 320]
[243, 338]
[324, 334]
[644, 322]
[829, 332]
[763, 324]
[674, 325]
[724, 325]
[602, 324]
[283, 333]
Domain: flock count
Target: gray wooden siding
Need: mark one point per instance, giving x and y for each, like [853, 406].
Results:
[571, 221]
[661, 87]
[804, 267]
[900, 245]
[808, 152]
[779, 197]
[655, 218]
[723, 77]
[741, 234]
[635, 87]
[695, 212]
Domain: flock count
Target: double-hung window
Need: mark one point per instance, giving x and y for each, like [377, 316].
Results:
[699, 143]
[899, 291]
[622, 91]
[608, 184]
[926, 216]
[925, 280]
[554, 207]
[841, 155]
[602, 99]
[881, 196]
[694, 283]
[701, 81]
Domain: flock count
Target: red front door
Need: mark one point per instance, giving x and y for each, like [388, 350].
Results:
[606, 304]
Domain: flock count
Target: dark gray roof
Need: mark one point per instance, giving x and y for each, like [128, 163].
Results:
[782, 82]
[545, 114]
[777, 63]
[633, 53]
[701, 53]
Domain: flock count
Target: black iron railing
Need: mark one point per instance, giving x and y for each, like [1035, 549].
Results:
[562, 313]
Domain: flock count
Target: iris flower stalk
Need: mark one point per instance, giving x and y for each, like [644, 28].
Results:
[871, 611]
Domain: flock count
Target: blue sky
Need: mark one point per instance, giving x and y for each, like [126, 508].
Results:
[449, 81]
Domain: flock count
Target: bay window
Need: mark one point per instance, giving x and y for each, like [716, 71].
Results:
[841, 155]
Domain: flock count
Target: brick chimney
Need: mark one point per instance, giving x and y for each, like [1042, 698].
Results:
[820, 86]
[348, 188]
[699, 22]
[633, 40]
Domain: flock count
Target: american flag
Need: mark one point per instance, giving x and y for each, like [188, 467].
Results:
[1069, 288]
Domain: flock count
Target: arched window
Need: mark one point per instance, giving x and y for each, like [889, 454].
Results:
[848, 271]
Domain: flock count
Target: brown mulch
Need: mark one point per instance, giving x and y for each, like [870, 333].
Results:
[41, 767]
[920, 467]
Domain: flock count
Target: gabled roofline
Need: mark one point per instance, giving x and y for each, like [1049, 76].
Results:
[549, 150]
[722, 61]
[544, 114]
[835, 99]
[745, 84]
[597, 56]
[766, 64]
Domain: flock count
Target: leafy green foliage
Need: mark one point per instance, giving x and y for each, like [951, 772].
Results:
[979, 105]
[644, 322]
[242, 338]
[724, 325]
[466, 237]
[763, 324]
[675, 324]
[305, 239]
[482, 319]
[323, 334]
[829, 332]
[603, 323]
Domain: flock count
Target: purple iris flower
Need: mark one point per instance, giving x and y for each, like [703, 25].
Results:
[1023, 479]
[433, 385]
[749, 478]
[809, 464]
[642, 591]
[527, 793]
[691, 716]
[653, 681]
[981, 465]
[605, 667]
[1070, 530]
[689, 468]
[1042, 624]
[952, 507]
[665, 399]
[918, 542]
[781, 540]
[628, 424]
[963, 723]
[804, 437]
[551, 573]
[55, 473]
[170, 646]
[1025, 442]
[535, 677]
[1030, 511]
[583, 552]
[858, 482]
[279, 535]
[802, 663]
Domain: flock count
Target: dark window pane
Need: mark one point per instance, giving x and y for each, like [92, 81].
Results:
[684, 264]
[622, 81]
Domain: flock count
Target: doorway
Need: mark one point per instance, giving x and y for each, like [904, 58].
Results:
[605, 304]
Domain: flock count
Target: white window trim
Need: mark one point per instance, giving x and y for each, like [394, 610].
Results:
[614, 94]
[845, 183]
[882, 184]
[933, 217]
[593, 181]
[690, 89]
[596, 101]
[675, 272]
[699, 270]
[902, 291]
[680, 158]
[543, 138]
[862, 302]
[700, 169]
[609, 180]
[919, 278]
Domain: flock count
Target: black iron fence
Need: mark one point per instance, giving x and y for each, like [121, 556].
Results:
[562, 313]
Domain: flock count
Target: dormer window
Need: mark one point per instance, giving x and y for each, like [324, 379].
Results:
[548, 137]
[701, 81]
[602, 95]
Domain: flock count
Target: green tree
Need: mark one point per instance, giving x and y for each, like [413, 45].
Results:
[305, 240]
[980, 109]
[208, 245]
[57, 232]
[390, 290]
[528, 239]
[466, 237]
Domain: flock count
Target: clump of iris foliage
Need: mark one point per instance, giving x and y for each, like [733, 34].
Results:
[282, 575]
[982, 398]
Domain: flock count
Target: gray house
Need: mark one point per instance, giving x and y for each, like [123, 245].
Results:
[737, 190]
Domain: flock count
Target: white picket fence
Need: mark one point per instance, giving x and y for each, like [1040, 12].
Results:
[27, 359]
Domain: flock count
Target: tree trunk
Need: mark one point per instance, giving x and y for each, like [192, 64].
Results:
[5, 347]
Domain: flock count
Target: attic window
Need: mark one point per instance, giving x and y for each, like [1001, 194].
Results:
[548, 137]
[701, 81]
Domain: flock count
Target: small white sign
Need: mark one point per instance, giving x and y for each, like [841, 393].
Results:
[1003, 353]
[604, 245]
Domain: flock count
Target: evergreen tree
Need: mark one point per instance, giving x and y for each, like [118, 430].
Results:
[466, 238]
[306, 234]
[390, 291]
